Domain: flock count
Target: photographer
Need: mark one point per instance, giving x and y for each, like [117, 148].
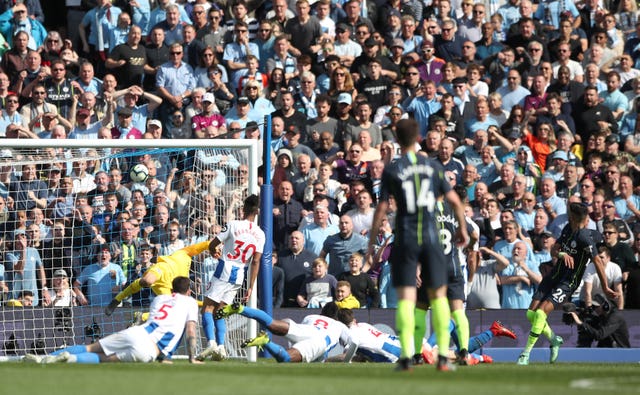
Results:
[604, 324]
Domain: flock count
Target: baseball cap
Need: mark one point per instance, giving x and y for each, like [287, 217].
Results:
[154, 122]
[612, 138]
[370, 42]
[394, 12]
[397, 42]
[458, 80]
[559, 154]
[209, 97]
[251, 125]
[345, 98]
[60, 273]
[83, 111]
[243, 99]
[515, 133]
[55, 168]
[293, 129]
[342, 27]
[427, 44]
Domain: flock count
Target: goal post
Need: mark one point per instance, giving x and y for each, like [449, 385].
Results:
[207, 182]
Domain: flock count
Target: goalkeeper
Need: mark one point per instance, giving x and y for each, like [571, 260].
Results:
[161, 274]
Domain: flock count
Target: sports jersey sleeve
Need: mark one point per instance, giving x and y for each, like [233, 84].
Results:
[589, 243]
[196, 249]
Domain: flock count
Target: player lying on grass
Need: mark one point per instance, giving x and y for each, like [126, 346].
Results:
[311, 340]
[170, 316]
[378, 346]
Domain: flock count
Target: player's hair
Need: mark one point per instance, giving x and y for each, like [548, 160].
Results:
[343, 283]
[407, 132]
[579, 210]
[329, 310]
[181, 285]
[251, 205]
[345, 316]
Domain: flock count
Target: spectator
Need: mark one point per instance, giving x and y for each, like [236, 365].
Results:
[317, 232]
[519, 279]
[296, 262]
[617, 252]
[341, 245]
[103, 280]
[592, 285]
[61, 294]
[24, 268]
[344, 297]
[483, 275]
[627, 203]
[175, 81]
[318, 288]
[287, 213]
[362, 286]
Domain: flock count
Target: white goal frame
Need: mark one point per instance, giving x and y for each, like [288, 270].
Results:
[253, 188]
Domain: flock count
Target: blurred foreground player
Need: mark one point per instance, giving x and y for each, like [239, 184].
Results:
[416, 183]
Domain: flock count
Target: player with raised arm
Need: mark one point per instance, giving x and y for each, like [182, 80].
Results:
[416, 182]
[242, 245]
[311, 340]
[575, 249]
[170, 315]
[159, 277]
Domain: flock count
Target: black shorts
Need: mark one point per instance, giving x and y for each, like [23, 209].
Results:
[405, 257]
[555, 291]
[455, 287]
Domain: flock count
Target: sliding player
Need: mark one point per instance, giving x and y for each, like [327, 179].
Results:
[170, 315]
[378, 346]
[312, 339]
[243, 245]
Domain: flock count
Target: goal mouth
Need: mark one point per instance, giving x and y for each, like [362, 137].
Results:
[59, 212]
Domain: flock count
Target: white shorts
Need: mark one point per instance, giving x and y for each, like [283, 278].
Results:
[221, 291]
[130, 345]
[308, 340]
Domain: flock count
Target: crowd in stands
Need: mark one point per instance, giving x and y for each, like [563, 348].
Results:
[526, 106]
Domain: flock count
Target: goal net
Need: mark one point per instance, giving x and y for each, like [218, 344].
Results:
[79, 220]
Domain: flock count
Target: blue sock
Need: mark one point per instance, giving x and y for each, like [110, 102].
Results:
[452, 330]
[258, 315]
[278, 352]
[221, 330]
[454, 334]
[476, 342]
[87, 358]
[208, 325]
[72, 350]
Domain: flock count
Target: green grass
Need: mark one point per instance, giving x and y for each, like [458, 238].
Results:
[267, 377]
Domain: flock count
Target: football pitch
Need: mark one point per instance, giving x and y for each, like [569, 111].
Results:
[268, 377]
